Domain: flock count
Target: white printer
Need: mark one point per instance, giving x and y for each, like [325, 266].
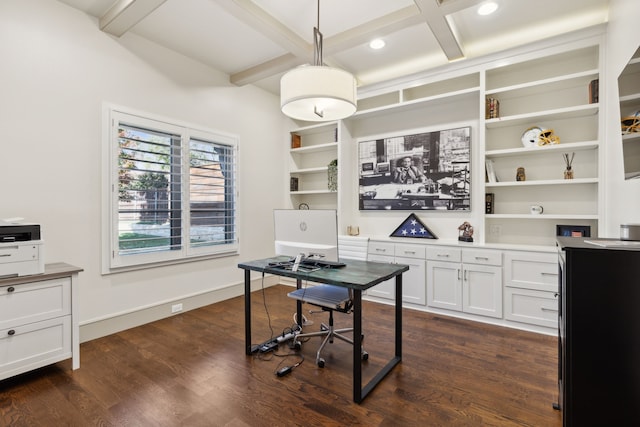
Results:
[21, 250]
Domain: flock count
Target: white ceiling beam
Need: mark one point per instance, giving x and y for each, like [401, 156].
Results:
[124, 14]
[348, 39]
[439, 25]
[255, 17]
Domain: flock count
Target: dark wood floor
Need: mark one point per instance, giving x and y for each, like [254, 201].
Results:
[190, 370]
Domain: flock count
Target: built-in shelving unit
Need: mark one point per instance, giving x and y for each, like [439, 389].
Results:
[551, 88]
[551, 92]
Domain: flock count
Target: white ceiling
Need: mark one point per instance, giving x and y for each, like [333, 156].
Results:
[256, 41]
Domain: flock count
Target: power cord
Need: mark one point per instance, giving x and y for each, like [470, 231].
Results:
[285, 370]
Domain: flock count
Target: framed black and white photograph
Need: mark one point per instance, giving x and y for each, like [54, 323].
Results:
[422, 171]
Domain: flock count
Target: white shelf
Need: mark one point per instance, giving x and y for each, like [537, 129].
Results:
[522, 151]
[309, 170]
[556, 114]
[455, 96]
[589, 74]
[313, 192]
[315, 148]
[543, 182]
[631, 137]
[542, 216]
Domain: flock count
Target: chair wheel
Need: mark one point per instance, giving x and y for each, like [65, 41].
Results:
[321, 363]
[297, 345]
[365, 355]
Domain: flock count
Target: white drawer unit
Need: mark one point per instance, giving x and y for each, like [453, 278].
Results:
[38, 320]
[533, 307]
[413, 255]
[531, 288]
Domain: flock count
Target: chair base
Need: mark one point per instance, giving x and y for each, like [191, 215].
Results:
[329, 333]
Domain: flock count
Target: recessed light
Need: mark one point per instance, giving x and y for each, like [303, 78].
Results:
[487, 8]
[377, 44]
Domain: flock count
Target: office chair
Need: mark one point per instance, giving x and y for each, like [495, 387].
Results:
[329, 298]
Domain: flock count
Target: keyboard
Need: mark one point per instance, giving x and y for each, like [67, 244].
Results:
[321, 263]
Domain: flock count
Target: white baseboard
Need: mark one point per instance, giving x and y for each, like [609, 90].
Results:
[97, 328]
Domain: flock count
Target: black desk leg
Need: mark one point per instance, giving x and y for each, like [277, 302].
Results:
[247, 311]
[399, 316]
[299, 317]
[357, 346]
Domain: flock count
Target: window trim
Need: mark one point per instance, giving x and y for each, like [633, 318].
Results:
[112, 263]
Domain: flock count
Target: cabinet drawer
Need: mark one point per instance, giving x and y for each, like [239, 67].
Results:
[531, 270]
[37, 344]
[18, 253]
[33, 302]
[410, 251]
[530, 306]
[381, 248]
[482, 257]
[443, 254]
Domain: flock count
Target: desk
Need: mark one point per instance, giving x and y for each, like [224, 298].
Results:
[356, 275]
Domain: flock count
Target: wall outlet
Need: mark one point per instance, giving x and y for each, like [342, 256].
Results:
[175, 308]
[495, 230]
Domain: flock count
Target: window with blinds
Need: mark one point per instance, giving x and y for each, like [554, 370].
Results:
[172, 192]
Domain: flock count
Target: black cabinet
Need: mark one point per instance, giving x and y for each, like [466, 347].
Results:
[599, 334]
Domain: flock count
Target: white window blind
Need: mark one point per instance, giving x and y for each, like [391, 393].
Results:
[172, 192]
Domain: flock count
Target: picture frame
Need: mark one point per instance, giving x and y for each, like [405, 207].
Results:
[428, 170]
[573, 230]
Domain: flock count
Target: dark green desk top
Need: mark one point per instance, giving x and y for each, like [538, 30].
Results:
[356, 274]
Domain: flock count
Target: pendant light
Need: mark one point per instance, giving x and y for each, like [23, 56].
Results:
[316, 92]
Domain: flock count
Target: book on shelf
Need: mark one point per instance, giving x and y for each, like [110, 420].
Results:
[293, 184]
[488, 203]
[295, 141]
[594, 89]
[491, 174]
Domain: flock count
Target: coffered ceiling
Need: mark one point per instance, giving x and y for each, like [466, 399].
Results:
[256, 41]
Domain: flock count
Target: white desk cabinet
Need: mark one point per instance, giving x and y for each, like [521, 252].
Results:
[413, 281]
[467, 280]
[38, 320]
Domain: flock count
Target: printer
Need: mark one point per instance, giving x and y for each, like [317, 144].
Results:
[21, 250]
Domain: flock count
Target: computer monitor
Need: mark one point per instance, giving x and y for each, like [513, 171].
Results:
[312, 232]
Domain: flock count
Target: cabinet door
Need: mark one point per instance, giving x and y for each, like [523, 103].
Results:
[443, 285]
[386, 289]
[413, 281]
[482, 290]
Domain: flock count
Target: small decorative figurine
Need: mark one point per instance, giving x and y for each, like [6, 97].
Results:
[520, 176]
[466, 232]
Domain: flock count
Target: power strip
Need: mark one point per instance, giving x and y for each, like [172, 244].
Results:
[268, 346]
[285, 337]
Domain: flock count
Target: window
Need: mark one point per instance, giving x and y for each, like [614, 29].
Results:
[171, 192]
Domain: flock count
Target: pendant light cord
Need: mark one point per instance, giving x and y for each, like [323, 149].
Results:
[317, 41]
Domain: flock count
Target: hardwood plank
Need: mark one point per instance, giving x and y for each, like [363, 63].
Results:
[190, 369]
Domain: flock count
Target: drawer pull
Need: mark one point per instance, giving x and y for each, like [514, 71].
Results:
[443, 255]
[10, 289]
[482, 258]
[409, 252]
[381, 250]
[548, 274]
[3, 255]
[11, 332]
[554, 310]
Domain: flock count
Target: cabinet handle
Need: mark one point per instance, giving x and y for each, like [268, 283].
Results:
[482, 258]
[548, 274]
[380, 250]
[458, 274]
[554, 310]
[443, 255]
[10, 289]
[465, 275]
[409, 252]
[11, 332]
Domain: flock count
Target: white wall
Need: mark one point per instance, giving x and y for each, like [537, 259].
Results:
[57, 69]
[623, 38]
